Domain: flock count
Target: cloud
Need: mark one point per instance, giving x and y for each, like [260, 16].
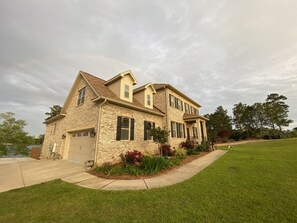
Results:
[218, 53]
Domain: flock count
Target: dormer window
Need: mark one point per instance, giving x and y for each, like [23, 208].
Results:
[81, 96]
[148, 100]
[127, 94]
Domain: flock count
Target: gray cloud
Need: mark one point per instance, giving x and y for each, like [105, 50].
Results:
[218, 52]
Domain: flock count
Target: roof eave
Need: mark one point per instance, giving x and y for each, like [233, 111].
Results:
[127, 105]
[53, 119]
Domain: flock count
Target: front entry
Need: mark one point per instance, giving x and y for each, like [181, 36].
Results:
[188, 134]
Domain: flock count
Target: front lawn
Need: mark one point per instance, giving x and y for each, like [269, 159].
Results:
[255, 182]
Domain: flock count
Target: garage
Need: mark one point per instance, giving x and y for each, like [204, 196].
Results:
[81, 146]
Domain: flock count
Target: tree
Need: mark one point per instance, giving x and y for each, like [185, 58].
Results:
[277, 111]
[219, 124]
[160, 136]
[260, 116]
[12, 135]
[239, 115]
[55, 110]
[247, 117]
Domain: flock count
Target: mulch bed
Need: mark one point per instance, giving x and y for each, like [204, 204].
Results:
[187, 160]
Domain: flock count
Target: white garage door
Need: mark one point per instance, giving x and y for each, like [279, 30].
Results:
[81, 146]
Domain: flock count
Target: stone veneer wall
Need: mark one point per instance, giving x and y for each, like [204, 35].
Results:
[176, 115]
[109, 149]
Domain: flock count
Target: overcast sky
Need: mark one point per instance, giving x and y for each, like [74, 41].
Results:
[217, 52]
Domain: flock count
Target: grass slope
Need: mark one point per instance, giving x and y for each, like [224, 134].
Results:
[255, 182]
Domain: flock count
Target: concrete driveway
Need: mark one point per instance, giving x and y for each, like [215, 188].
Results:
[23, 172]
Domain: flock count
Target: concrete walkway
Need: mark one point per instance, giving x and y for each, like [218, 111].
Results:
[175, 176]
[23, 172]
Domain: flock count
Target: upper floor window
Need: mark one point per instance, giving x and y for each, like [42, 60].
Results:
[81, 96]
[186, 108]
[127, 91]
[148, 100]
[179, 104]
[172, 100]
[175, 102]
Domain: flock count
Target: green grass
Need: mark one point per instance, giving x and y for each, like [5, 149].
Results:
[255, 182]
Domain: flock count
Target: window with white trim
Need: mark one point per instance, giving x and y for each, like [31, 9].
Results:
[81, 96]
[148, 100]
[125, 128]
[127, 91]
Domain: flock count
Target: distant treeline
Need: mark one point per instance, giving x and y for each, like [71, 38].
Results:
[262, 120]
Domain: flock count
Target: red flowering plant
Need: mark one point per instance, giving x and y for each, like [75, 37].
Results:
[165, 150]
[133, 157]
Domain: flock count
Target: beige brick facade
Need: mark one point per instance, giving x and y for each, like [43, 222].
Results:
[99, 114]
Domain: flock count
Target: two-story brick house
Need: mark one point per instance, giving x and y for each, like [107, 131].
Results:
[102, 119]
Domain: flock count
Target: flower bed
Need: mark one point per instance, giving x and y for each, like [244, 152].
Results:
[149, 167]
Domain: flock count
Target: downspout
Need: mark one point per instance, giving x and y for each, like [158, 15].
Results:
[166, 114]
[98, 129]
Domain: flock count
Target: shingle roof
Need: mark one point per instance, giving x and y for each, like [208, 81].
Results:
[99, 86]
[162, 86]
[143, 87]
[102, 90]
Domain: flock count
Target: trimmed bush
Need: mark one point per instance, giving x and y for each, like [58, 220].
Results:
[181, 153]
[187, 144]
[154, 164]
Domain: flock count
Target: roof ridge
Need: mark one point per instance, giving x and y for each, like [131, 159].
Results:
[92, 75]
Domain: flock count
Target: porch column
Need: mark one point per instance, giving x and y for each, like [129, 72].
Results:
[204, 130]
[199, 131]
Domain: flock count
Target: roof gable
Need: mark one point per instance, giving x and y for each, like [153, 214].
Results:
[72, 92]
[120, 76]
[144, 87]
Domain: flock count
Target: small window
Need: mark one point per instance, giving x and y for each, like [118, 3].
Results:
[73, 135]
[125, 129]
[85, 133]
[127, 94]
[148, 101]
[81, 96]
[78, 134]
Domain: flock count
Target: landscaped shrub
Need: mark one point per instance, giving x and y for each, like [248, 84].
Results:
[187, 144]
[133, 157]
[149, 165]
[181, 153]
[203, 147]
[192, 152]
[105, 168]
[165, 150]
[154, 164]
